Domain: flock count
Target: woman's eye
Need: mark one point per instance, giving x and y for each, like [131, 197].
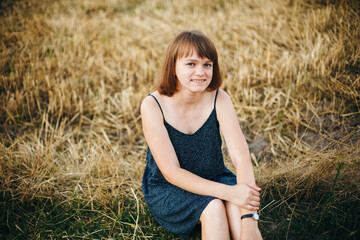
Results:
[190, 64]
[208, 65]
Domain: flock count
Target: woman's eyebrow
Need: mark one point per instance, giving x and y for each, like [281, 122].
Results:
[195, 60]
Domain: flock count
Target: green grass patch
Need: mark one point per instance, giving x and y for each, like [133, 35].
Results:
[76, 218]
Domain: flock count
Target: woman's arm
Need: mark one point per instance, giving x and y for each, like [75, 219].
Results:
[164, 154]
[236, 144]
[240, 156]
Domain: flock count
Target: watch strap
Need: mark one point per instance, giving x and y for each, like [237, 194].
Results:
[247, 216]
[251, 215]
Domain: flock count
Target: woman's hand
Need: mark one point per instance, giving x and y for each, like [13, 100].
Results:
[245, 196]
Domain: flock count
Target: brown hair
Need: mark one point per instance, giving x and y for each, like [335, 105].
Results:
[181, 46]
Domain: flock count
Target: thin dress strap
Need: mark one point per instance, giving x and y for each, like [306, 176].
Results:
[217, 90]
[159, 105]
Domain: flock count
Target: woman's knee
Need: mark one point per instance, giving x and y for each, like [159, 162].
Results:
[232, 208]
[215, 211]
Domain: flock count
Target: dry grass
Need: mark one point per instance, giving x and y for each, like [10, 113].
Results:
[73, 74]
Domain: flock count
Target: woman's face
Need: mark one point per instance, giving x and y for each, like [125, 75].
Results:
[194, 73]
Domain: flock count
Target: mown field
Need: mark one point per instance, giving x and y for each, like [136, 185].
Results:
[72, 77]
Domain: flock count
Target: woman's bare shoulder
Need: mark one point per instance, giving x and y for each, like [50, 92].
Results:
[223, 99]
[149, 106]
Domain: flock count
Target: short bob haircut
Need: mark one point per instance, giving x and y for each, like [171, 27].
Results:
[182, 46]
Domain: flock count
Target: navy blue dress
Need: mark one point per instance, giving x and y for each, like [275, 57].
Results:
[175, 209]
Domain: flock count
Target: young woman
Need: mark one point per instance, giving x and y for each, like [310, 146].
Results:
[185, 180]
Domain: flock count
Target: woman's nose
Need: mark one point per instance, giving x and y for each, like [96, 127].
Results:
[200, 71]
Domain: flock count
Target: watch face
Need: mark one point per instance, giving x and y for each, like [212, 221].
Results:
[256, 216]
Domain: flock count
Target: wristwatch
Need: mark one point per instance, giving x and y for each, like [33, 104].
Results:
[255, 216]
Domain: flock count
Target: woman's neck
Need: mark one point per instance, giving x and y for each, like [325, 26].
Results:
[187, 99]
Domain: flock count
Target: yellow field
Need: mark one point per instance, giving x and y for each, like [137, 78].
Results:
[73, 75]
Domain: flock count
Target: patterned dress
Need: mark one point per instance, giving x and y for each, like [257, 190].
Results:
[175, 209]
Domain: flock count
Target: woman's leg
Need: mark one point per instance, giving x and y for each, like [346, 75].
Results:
[214, 222]
[234, 219]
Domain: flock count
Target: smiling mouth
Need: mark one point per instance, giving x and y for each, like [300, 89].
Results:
[198, 80]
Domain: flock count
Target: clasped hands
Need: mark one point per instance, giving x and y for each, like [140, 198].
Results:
[246, 196]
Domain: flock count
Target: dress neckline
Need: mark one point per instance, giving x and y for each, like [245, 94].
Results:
[198, 130]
